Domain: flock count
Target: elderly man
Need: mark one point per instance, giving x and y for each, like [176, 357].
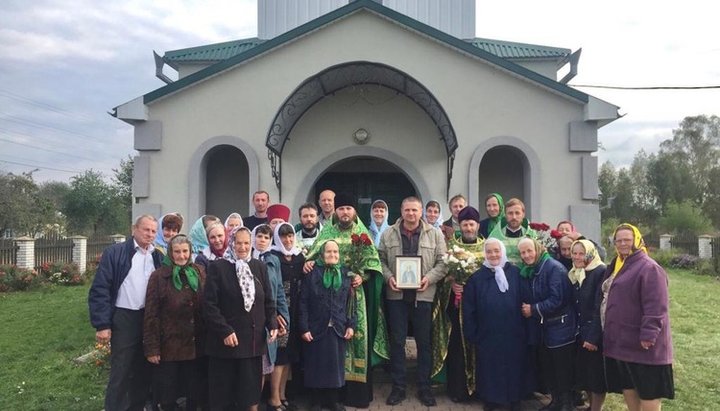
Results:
[261, 202]
[369, 345]
[117, 301]
[327, 205]
[410, 235]
[513, 229]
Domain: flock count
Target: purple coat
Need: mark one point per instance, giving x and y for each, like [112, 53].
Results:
[637, 310]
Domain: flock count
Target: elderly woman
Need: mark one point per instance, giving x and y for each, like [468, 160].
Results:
[198, 232]
[554, 325]
[378, 220]
[495, 209]
[233, 221]
[493, 323]
[586, 277]
[237, 311]
[217, 244]
[326, 322]
[637, 342]
[173, 328]
[170, 225]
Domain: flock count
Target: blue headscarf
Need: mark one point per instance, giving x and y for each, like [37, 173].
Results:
[198, 237]
[376, 232]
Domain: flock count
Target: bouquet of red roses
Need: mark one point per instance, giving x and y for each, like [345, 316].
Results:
[547, 239]
[354, 259]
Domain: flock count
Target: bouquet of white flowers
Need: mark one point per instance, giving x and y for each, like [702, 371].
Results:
[461, 265]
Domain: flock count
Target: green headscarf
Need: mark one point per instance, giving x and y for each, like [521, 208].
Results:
[332, 276]
[541, 254]
[496, 220]
[191, 274]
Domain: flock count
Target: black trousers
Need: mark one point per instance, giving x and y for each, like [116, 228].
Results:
[129, 383]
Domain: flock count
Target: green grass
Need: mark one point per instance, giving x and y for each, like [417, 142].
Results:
[41, 332]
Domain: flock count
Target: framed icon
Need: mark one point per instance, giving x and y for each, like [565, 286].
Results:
[408, 271]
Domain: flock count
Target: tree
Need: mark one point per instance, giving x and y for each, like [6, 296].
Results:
[607, 184]
[683, 218]
[87, 203]
[122, 184]
[18, 202]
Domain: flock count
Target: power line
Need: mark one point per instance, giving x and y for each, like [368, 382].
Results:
[18, 120]
[40, 104]
[648, 87]
[46, 149]
[13, 157]
[40, 167]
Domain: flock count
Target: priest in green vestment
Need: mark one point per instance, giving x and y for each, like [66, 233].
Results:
[513, 228]
[369, 345]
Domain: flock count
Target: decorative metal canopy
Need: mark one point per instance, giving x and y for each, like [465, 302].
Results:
[344, 75]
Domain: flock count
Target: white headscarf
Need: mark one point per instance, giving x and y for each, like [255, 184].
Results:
[242, 270]
[255, 252]
[278, 245]
[233, 215]
[500, 277]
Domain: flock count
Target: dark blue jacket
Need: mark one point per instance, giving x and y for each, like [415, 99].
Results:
[111, 272]
[319, 306]
[587, 305]
[552, 304]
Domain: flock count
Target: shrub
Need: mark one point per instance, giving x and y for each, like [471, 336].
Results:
[62, 273]
[685, 261]
[706, 267]
[14, 278]
[663, 257]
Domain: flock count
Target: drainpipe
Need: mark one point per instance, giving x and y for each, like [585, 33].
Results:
[159, 63]
[573, 59]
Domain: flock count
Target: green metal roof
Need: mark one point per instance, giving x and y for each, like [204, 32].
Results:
[222, 51]
[345, 11]
[512, 50]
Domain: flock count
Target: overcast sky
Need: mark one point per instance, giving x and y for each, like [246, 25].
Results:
[65, 64]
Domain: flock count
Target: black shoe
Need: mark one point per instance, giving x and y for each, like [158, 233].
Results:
[396, 396]
[426, 398]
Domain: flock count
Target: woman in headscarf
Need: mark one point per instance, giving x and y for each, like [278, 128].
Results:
[198, 232]
[378, 220]
[325, 323]
[233, 221]
[262, 237]
[637, 342]
[170, 225]
[586, 277]
[291, 266]
[173, 328]
[495, 209]
[433, 214]
[237, 311]
[554, 325]
[493, 323]
[217, 244]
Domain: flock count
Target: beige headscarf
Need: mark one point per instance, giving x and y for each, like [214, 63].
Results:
[592, 261]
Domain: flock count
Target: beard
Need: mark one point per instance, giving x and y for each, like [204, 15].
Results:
[469, 239]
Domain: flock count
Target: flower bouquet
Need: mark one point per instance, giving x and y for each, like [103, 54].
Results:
[544, 235]
[461, 265]
[355, 256]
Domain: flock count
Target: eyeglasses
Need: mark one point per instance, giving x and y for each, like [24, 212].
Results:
[624, 241]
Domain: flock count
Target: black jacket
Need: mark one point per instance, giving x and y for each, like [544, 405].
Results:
[320, 306]
[225, 312]
[587, 305]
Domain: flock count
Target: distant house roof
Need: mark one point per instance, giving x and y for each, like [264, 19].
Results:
[374, 7]
[213, 53]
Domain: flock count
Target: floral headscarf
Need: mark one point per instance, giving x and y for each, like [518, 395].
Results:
[242, 269]
[500, 277]
[592, 258]
[638, 245]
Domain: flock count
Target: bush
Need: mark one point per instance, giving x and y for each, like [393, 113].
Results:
[707, 267]
[664, 257]
[684, 261]
[14, 278]
[62, 274]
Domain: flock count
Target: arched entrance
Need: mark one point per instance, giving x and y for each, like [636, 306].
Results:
[503, 170]
[226, 181]
[367, 179]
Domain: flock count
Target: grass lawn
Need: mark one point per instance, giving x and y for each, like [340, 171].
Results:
[41, 332]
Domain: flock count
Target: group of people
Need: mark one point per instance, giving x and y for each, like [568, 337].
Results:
[214, 316]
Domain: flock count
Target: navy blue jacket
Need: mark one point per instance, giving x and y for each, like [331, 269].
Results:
[319, 306]
[552, 304]
[587, 305]
[111, 272]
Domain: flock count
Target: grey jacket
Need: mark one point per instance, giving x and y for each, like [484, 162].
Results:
[431, 247]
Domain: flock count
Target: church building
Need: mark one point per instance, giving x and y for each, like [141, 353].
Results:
[380, 99]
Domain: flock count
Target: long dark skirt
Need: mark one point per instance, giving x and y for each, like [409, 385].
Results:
[234, 382]
[556, 367]
[175, 379]
[589, 370]
[325, 361]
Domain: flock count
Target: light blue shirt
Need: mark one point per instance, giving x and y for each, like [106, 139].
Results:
[131, 294]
